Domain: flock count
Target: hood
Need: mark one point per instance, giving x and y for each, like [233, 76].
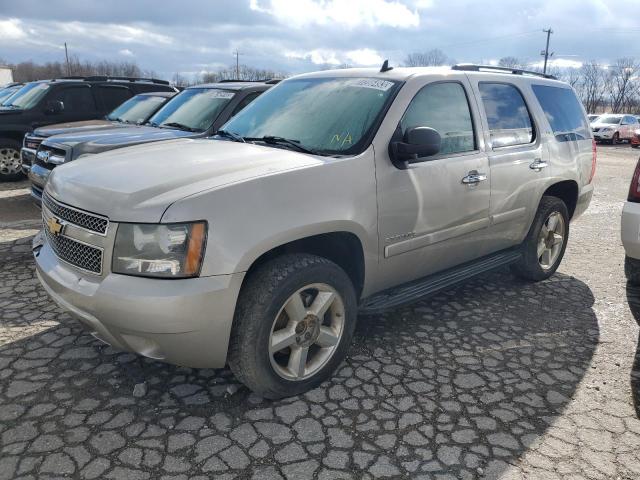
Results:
[138, 184]
[76, 127]
[102, 140]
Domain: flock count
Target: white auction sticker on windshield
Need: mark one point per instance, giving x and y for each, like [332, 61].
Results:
[220, 94]
[374, 83]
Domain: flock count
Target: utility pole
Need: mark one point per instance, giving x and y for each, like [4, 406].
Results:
[237, 65]
[66, 54]
[546, 50]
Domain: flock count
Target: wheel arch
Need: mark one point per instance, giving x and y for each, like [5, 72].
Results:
[567, 191]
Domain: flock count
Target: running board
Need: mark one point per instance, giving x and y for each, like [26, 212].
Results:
[413, 291]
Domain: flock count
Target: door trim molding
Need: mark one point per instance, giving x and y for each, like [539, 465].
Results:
[425, 239]
[507, 216]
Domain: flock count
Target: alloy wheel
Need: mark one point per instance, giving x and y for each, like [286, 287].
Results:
[551, 240]
[10, 162]
[306, 332]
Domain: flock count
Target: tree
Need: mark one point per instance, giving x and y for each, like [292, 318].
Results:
[431, 58]
[510, 62]
[624, 84]
[592, 86]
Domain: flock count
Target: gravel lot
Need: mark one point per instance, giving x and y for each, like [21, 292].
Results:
[494, 379]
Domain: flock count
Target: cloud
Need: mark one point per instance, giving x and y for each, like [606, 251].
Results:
[346, 13]
[11, 29]
[364, 56]
[125, 52]
[360, 57]
[112, 33]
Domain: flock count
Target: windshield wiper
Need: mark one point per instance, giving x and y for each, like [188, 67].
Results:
[232, 135]
[273, 140]
[180, 126]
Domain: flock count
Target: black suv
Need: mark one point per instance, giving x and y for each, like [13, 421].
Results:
[197, 111]
[66, 99]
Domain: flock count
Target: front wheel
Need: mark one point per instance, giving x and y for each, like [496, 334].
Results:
[293, 325]
[615, 139]
[10, 161]
[544, 246]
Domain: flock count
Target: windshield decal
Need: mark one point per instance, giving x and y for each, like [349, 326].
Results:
[219, 94]
[382, 85]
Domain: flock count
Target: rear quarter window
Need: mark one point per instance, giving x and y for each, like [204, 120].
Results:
[563, 111]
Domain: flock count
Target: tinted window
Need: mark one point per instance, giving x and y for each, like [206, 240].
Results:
[75, 99]
[246, 101]
[332, 115]
[443, 107]
[507, 114]
[563, 111]
[113, 96]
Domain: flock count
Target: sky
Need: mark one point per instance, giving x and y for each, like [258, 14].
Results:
[293, 36]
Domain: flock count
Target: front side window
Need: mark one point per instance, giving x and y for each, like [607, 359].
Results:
[329, 115]
[507, 114]
[445, 108]
[28, 96]
[75, 99]
[563, 111]
[137, 109]
[112, 96]
[193, 109]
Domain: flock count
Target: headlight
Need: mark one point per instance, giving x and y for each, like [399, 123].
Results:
[607, 129]
[167, 251]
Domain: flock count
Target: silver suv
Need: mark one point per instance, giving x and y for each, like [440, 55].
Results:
[333, 193]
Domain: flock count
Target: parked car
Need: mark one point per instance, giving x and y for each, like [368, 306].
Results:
[334, 192]
[8, 90]
[592, 117]
[613, 128]
[630, 229]
[135, 111]
[69, 99]
[195, 112]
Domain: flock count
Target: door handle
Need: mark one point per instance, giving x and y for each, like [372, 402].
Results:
[474, 177]
[538, 165]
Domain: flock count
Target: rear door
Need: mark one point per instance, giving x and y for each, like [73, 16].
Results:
[517, 158]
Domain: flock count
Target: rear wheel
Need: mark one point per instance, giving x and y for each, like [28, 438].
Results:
[545, 244]
[10, 161]
[293, 325]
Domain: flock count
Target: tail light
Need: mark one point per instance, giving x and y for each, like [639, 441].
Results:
[634, 188]
[594, 157]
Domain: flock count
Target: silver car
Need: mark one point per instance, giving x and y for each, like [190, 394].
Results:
[333, 193]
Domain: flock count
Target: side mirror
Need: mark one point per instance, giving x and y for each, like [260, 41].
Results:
[54, 106]
[417, 142]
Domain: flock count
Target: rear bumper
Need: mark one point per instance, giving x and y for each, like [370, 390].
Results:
[630, 229]
[186, 322]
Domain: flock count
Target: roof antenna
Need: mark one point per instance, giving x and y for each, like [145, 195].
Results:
[385, 67]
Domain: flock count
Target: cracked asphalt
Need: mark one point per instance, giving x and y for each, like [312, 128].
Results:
[494, 379]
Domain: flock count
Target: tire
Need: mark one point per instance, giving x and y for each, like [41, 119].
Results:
[532, 266]
[634, 145]
[260, 312]
[10, 166]
[632, 270]
[615, 139]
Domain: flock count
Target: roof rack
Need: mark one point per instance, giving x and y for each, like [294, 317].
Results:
[269, 81]
[469, 67]
[106, 78]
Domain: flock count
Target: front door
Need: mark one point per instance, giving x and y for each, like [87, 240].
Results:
[434, 214]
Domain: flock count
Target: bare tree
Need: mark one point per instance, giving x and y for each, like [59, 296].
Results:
[592, 86]
[245, 72]
[431, 58]
[624, 84]
[510, 62]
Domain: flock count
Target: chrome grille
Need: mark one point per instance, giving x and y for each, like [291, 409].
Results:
[88, 221]
[76, 253]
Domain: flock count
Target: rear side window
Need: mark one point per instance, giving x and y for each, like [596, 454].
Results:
[445, 108]
[507, 113]
[563, 111]
[75, 99]
[113, 96]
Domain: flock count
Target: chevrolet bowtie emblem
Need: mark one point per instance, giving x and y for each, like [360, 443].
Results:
[54, 226]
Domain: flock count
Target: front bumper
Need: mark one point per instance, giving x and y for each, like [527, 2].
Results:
[630, 229]
[186, 322]
[38, 176]
[600, 135]
[28, 157]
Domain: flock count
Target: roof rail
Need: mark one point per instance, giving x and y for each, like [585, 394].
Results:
[269, 81]
[469, 67]
[106, 78]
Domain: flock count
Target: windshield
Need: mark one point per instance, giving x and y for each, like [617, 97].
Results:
[328, 115]
[593, 117]
[609, 119]
[28, 96]
[137, 109]
[194, 108]
[7, 92]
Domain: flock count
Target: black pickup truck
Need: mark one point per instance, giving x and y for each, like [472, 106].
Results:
[61, 100]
